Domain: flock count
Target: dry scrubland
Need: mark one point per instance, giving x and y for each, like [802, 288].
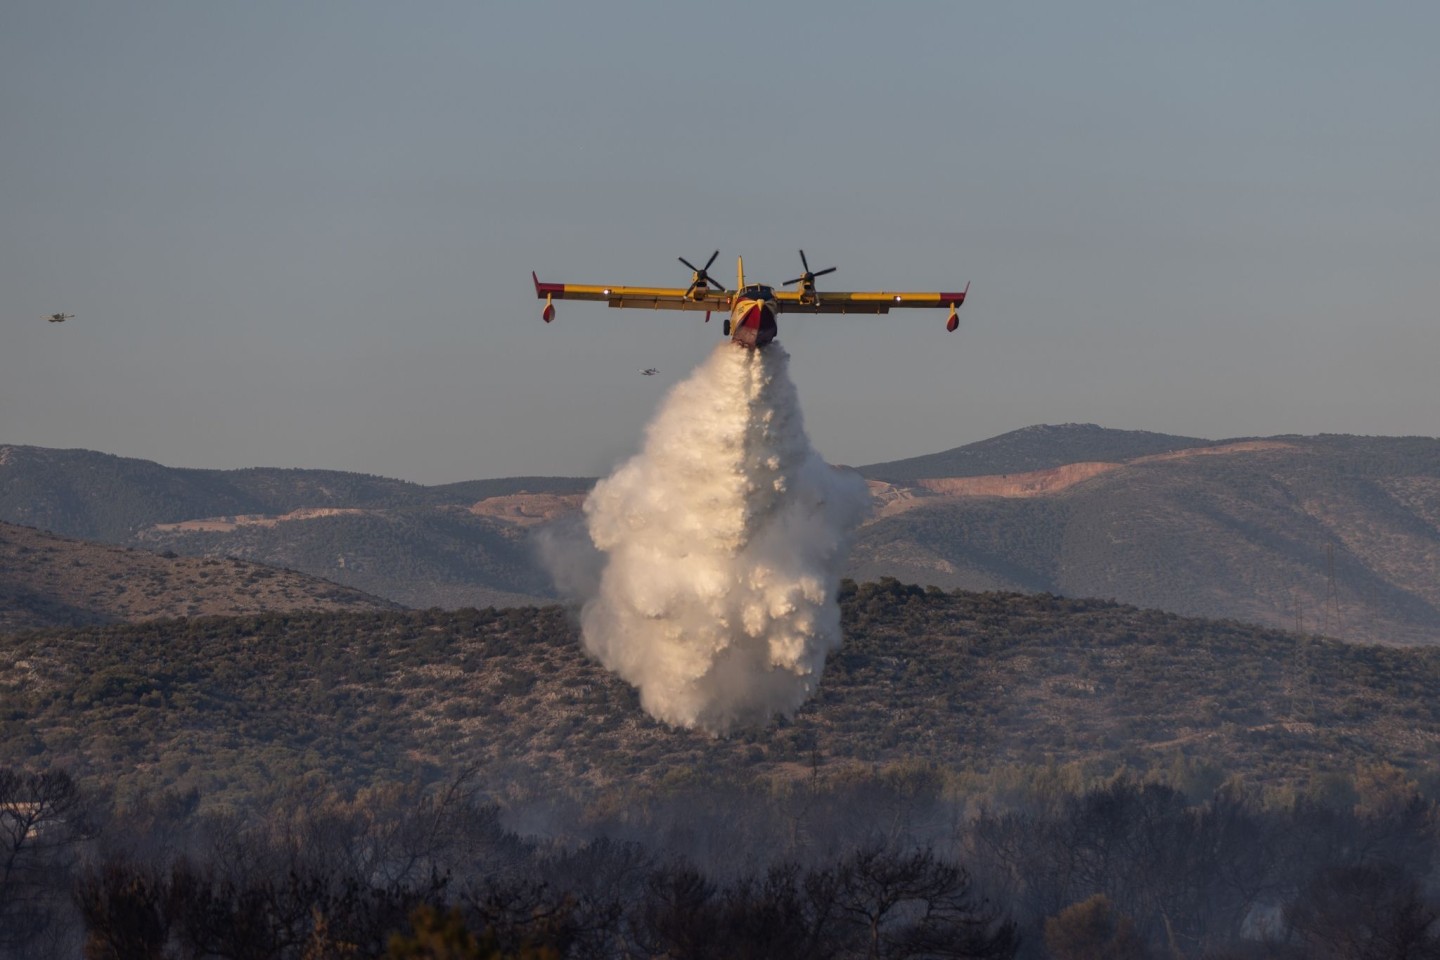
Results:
[48, 581]
[997, 775]
[977, 688]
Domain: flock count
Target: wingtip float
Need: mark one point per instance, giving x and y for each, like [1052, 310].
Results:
[752, 307]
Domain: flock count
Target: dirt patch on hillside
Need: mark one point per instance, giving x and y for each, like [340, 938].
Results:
[1241, 446]
[1033, 484]
[527, 509]
[891, 498]
[228, 524]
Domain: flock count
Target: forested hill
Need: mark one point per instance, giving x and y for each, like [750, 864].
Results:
[973, 686]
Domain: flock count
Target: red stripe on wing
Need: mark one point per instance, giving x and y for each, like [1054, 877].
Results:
[547, 289]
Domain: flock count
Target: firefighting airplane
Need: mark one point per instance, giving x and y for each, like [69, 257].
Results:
[752, 306]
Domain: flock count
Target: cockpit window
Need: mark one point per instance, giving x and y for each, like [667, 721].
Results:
[758, 291]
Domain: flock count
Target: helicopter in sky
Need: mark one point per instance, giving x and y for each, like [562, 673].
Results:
[60, 317]
[752, 307]
[649, 372]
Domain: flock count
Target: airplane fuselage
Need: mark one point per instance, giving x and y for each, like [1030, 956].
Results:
[752, 318]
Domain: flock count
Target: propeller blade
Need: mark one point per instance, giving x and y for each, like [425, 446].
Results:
[701, 279]
[808, 277]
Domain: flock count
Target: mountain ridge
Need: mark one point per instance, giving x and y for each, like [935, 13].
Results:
[1038, 447]
[1335, 533]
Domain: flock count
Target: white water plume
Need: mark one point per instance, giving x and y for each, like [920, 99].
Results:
[723, 542]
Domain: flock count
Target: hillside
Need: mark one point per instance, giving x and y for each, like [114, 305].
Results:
[973, 684]
[1040, 447]
[1333, 534]
[446, 556]
[50, 581]
[414, 545]
[1339, 535]
[99, 496]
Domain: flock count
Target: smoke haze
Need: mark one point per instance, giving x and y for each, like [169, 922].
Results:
[722, 543]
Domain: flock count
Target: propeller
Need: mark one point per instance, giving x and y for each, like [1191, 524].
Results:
[807, 279]
[701, 280]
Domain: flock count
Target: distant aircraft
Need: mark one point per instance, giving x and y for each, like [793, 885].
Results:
[649, 372]
[753, 306]
[60, 317]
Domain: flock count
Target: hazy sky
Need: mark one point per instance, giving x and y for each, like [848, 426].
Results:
[301, 234]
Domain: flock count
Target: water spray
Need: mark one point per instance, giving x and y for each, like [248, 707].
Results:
[723, 541]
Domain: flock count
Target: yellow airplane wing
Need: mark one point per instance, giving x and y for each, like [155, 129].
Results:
[655, 298]
[865, 301]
